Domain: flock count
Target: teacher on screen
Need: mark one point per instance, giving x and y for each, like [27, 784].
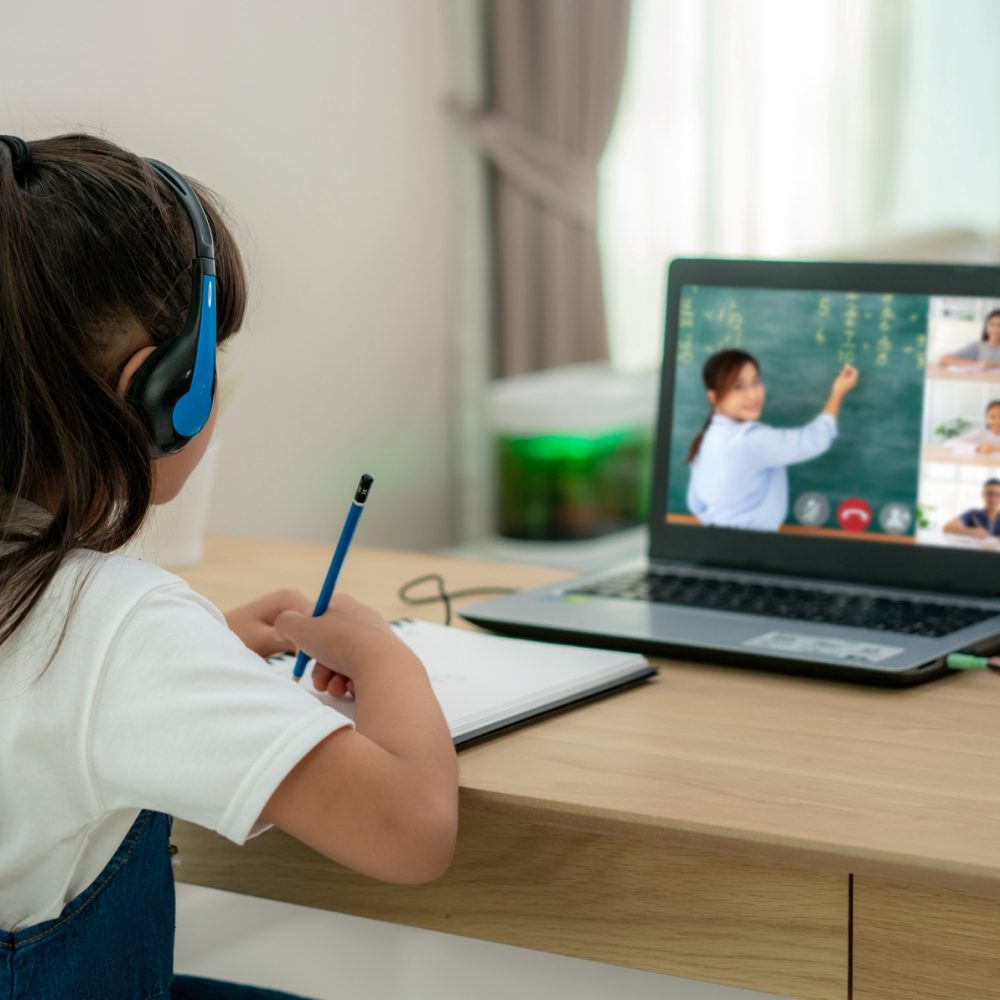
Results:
[739, 475]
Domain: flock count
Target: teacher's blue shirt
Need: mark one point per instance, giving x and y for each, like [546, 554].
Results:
[738, 478]
[980, 519]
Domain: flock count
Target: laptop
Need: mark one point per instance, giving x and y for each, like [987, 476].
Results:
[829, 523]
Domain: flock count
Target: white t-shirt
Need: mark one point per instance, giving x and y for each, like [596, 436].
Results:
[979, 436]
[150, 703]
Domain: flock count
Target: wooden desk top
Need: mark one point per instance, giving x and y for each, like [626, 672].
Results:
[947, 456]
[955, 373]
[898, 783]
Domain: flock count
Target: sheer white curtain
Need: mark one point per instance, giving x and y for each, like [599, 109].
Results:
[783, 127]
[949, 170]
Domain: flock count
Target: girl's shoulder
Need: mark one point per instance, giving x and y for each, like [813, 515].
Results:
[93, 601]
[108, 601]
[109, 580]
[115, 569]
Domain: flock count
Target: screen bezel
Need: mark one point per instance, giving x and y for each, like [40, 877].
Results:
[925, 567]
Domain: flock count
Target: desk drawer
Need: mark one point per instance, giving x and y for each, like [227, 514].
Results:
[917, 943]
[633, 901]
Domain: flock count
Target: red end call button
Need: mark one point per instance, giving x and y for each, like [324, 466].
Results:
[854, 515]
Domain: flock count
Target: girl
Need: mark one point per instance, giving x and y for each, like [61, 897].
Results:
[983, 353]
[126, 698]
[738, 465]
[985, 440]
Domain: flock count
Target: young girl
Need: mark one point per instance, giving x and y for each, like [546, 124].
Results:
[983, 354]
[125, 698]
[738, 465]
[984, 440]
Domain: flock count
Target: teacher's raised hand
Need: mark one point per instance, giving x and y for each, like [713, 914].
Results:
[846, 380]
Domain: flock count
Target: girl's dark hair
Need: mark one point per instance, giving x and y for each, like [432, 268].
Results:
[719, 374]
[95, 256]
[991, 404]
[986, 322]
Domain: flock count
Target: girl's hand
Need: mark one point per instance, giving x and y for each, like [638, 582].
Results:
[986, 449]
[846, 380]
[254, 622]
[345, 641]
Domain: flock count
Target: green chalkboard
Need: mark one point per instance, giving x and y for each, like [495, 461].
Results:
[801, 339]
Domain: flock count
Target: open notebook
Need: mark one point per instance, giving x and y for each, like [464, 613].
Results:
[486, 683]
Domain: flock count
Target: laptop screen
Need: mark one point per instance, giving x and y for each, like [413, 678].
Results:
[846, 414]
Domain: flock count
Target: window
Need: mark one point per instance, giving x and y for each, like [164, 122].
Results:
[782, 128]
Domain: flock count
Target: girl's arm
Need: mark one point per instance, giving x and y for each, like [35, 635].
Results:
[967, 356]
[382, 798]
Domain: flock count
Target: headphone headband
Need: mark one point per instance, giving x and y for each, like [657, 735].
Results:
[203, 238]
[174, 388]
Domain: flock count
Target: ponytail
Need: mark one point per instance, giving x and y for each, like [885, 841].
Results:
[696, 443]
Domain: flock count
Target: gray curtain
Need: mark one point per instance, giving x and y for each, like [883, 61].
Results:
[555, 70]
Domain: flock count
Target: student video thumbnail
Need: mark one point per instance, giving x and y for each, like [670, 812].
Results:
[959, 493]
[841, 414]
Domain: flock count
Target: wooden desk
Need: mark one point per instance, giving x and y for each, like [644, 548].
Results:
[946, 456]
[799, 837]
[955, 373]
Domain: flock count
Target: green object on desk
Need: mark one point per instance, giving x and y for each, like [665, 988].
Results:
[557, 487]
[573, 451]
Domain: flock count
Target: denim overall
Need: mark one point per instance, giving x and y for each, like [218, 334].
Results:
[115, 941]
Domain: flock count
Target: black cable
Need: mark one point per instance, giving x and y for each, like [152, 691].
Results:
[443, 595]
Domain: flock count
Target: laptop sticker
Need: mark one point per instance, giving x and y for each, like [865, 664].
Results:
[812, 645]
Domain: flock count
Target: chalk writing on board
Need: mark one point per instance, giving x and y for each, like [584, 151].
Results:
[854, 327]
[726, 323]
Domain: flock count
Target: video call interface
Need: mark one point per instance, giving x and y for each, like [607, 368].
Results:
[854, 415]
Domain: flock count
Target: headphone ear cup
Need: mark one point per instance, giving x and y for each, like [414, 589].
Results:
[155, 389]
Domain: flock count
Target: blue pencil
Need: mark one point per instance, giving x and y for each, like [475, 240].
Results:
[346, 534]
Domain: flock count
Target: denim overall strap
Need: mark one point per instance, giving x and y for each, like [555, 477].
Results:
[114, 941]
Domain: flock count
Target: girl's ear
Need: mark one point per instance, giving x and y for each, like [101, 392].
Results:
[131, 367]
[712, 398]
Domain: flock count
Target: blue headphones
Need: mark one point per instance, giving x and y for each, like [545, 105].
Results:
[174, 387]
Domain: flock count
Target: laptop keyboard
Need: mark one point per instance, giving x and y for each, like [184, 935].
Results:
[885, 614]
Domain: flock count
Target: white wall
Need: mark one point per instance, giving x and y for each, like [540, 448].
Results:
[321, 123]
